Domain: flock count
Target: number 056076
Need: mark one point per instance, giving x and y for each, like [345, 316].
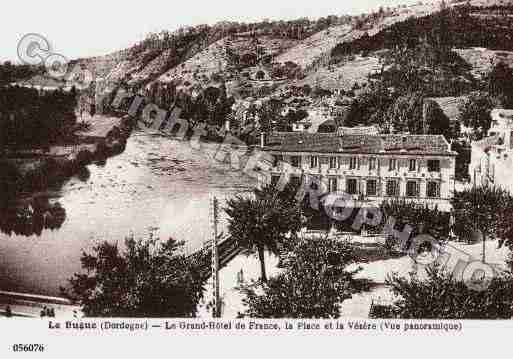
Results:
[28, 348]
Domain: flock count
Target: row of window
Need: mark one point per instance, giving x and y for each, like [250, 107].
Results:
[391, 188]
[355, 163]
[371, 188]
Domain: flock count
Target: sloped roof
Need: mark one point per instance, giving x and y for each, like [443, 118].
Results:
[378, 144]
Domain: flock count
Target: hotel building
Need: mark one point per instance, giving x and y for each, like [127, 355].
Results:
[371, 168]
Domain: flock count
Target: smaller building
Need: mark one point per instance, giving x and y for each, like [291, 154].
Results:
[492, 157]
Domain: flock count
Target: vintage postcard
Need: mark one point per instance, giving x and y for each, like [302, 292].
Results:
[274, 168]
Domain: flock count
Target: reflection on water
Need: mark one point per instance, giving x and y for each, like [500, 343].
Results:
[32, 217]
[156, 182]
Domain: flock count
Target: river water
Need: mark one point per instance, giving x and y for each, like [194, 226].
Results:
[157, 182]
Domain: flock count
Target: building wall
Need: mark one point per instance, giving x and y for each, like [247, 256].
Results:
[492, 168]
[381, 173]
[492, 157]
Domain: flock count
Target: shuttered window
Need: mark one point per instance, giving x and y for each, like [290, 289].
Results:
[371, 187]
[433, 189]
[392, 188]
[333, 162]
[353, 163]
[412, 189]
[351, 186]
[314, 161]
[392, 164]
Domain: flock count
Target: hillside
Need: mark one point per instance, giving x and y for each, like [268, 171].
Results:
[320, 45]
[482, 60]
[367, 68]
[222, 58]
[343, 75]
[163, 56]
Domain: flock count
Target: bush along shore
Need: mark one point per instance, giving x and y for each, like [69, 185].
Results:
[26, 179]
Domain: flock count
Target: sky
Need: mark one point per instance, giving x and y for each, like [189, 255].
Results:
[98, 27]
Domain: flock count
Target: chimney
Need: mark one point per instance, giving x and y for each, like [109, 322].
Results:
[262, 139]
[227, 125]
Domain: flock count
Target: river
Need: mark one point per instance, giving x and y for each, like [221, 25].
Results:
[157, 182]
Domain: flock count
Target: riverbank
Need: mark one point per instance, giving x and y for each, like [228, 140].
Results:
[27, 173]
[31, 178]
[157, 182]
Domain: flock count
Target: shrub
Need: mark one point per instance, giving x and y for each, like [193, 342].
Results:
[149, 278]
[442, 296]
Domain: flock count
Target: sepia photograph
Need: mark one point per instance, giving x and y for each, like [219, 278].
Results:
[264, 167]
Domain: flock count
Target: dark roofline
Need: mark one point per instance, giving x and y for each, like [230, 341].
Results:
[410, 149]
[396, 153]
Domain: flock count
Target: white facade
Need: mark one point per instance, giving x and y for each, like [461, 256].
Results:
[492, 157]
[374, 177]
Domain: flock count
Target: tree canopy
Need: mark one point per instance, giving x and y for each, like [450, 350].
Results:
[150, 278]
[313, 284]
[500, 83]
[32, 117]
[421, 218]
[483, 209]
[264, 221]
[442, 296]
[475, 113]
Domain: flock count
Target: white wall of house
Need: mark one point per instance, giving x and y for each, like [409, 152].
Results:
[492, 157]
[362, 172]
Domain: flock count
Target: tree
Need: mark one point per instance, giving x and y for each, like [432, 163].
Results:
[441, 296]
[421, 218]
[269, 114]
[480, 210]
[406, 113]
[370, 107]
[314, 283]
[500, 83]
[264, 221]
[10, 72]
[505, 229]
[30, 117]
[435, 122]
[294, 116]
[150, 278]
[475, 113]
[464, 151]
[307, 89]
